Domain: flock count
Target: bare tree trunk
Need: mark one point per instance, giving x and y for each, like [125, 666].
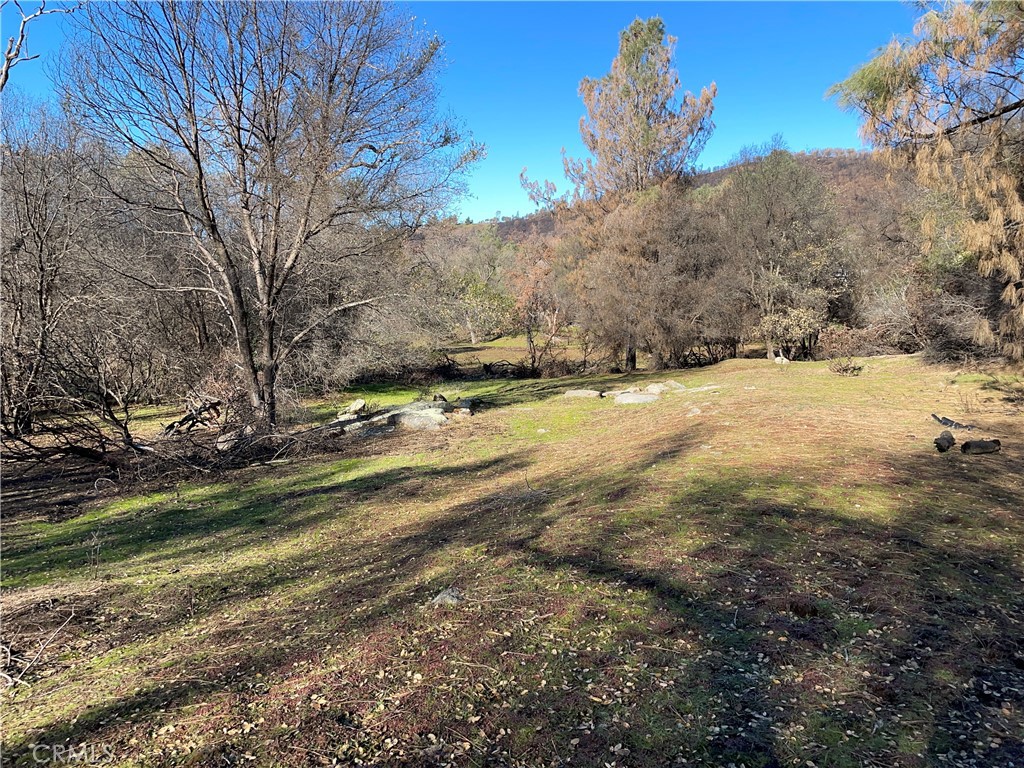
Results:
[630, 357]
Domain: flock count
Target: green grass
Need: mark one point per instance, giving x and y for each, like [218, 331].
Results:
[790, 577]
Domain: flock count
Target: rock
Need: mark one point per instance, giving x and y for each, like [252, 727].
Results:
[617, 392]
[344, 418]
[944, 441]
[230, 440]
[440, 398]
[656, 389]
[582, 393]
[695, 411]
[429, 419]
[356, 406]
[465, 407]
[448, 598]
[635, 398]
[705, 388]
[976, 447]
[674, 385]
[780, 360]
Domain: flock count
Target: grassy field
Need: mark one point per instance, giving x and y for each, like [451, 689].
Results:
[775, 570]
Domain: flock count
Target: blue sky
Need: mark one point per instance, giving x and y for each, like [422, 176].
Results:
[513, 69]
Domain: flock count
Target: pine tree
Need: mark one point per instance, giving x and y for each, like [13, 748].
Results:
[950, 103]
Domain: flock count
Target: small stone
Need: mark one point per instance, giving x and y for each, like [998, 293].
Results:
[448, 598]
[355, 406]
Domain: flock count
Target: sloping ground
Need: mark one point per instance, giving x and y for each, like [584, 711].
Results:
[793, 576]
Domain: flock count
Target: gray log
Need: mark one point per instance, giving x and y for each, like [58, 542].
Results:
[981, 446]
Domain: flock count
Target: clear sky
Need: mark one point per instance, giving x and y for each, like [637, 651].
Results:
[513, 69]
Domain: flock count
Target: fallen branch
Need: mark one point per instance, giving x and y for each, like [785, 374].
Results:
[42, 648]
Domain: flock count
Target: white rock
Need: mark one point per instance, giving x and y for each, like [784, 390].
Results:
[582, 393]
[427, 419]
[635, 398]
[448, 597]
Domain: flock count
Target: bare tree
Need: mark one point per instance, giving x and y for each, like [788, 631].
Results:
[257, 129]
[46, 219]
[77, 351]
[14, 52]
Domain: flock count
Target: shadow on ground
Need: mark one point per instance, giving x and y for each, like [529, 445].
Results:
[744, 620]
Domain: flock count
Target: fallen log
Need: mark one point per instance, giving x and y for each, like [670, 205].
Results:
[200, 416]
[944, 441]
[975, 447]
[953, 424]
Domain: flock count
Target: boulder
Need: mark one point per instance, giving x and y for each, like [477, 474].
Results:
[582, 393]
[656, 389]
[355, 406]
[674, 385]
[422, 419]
[465, 407]
[230, 440]
[635, 398]
[780, 360]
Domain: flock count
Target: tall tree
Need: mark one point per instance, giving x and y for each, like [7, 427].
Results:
[636, 130]
[950, 102]
[640, 133]
[287, 143]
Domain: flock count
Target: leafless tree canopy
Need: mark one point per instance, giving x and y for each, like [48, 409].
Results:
[286, 145]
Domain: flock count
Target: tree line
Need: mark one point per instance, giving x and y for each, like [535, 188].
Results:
[239, 201]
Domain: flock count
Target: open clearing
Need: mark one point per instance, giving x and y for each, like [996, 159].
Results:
[793, 576]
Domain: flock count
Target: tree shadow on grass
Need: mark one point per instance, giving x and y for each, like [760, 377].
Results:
[175, 527]
[747, 619]
[902, 632]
